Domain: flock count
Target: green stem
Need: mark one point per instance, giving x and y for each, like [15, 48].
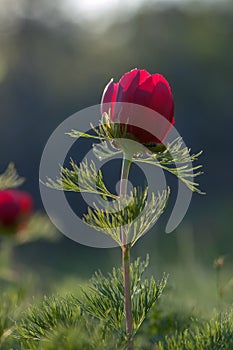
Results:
[7, 258]
[126, 259]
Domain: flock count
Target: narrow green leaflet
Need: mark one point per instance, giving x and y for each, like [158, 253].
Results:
[153, 209]
[105, 150]
[76, 134]
[106, 130]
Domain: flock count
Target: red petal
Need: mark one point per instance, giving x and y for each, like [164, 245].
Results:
[9, 208]
[161, 98]
[154, 93]
[127, 86]
[109, 97]
[148, 84]
[143, 75]
[142, 95]
[25, 203]
[142, 135]
[161, 101]
[129, 83]
[127, 78]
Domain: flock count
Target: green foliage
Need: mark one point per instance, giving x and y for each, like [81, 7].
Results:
[107, 130]
[52, 312]
[85, 178]
[68, 323]
[164, 320]
[104, 298]
[84, 337]
[105, 150]
[214, 335]
[38, 227]
[57, 323]
[94, 321]
[136, 213]
[129, 216]
[10, 178]
[9, 300]
[176, 159]
[125, 212]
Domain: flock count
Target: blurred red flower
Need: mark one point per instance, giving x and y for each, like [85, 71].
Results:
[15, 208]
[139, 87]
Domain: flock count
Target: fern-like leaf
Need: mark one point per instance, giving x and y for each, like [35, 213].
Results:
[82, 178]
[10, 178]
[104, 299]
[176, 159]
[134, 212]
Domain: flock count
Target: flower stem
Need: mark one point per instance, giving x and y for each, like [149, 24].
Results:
[126, 259]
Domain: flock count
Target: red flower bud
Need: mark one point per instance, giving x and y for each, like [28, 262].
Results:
[9, 208]
[25, 204]
[139, 87]
[15, 208]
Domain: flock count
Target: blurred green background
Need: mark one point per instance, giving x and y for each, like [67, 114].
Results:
[56, 58]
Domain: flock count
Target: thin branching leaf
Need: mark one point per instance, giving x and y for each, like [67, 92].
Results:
[213, 335]
[175, 156]
[106, 130]
[135, 214]
[82, 178]
[40, 319]
[10, 178]
[104, 299]
[177, 160]
[105, 150]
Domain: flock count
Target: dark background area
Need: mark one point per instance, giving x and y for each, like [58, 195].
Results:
[51, 67]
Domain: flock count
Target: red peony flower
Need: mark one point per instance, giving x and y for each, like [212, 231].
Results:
[15, 208]
[140, 88]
